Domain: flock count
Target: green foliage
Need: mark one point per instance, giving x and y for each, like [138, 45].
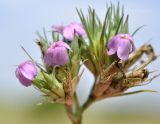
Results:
[48, 84]
[75, 57]
[99, 33]
[42, 41]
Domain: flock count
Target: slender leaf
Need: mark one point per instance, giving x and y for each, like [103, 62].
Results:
[120, 22]
[135, 92]
[137, 30]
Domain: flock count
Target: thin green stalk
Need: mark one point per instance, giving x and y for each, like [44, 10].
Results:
[90, 99]
[70, 114]
[87, 104]
[76, 117]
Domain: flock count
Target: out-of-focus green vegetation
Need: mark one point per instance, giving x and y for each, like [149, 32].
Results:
[55, 114]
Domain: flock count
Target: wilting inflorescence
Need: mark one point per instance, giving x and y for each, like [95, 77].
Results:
[106, 48]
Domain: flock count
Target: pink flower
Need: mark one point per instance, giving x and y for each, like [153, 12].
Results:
[77, 28]
[26, 73]
[57, 54]
[69, 31]
[122, 44]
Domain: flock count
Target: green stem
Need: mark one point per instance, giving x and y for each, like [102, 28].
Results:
[76, 100]
[70, 114]
[89, 101]
[76, 117]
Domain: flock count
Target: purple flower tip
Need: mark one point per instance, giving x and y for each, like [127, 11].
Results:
[57, 54]
[77, 28]
[26, 73]
[122, 44]
[58, 28]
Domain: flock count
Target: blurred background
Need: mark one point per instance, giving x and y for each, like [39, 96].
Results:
[19, 21]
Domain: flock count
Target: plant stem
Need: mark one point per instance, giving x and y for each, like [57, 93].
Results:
[70, 114]
[89, 101]
[76, 116]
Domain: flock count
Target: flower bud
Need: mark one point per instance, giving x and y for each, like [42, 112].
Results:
[122, 44]
[26, 73]
[57, 54]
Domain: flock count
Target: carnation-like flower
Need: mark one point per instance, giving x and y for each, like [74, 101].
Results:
[57, 54]
[122, 44]
[73, 28]
[26, 73]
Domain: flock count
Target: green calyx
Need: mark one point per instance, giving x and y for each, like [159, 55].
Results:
[49, 85]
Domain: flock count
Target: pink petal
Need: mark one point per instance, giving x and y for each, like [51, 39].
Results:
[78, 27]
[124, 50]
[68, 33]
[113, 45]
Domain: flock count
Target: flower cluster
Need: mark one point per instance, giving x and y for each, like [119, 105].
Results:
[105, 48]
[61, 65]
[57, 53]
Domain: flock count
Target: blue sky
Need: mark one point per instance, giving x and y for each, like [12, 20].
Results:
[20, 19]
